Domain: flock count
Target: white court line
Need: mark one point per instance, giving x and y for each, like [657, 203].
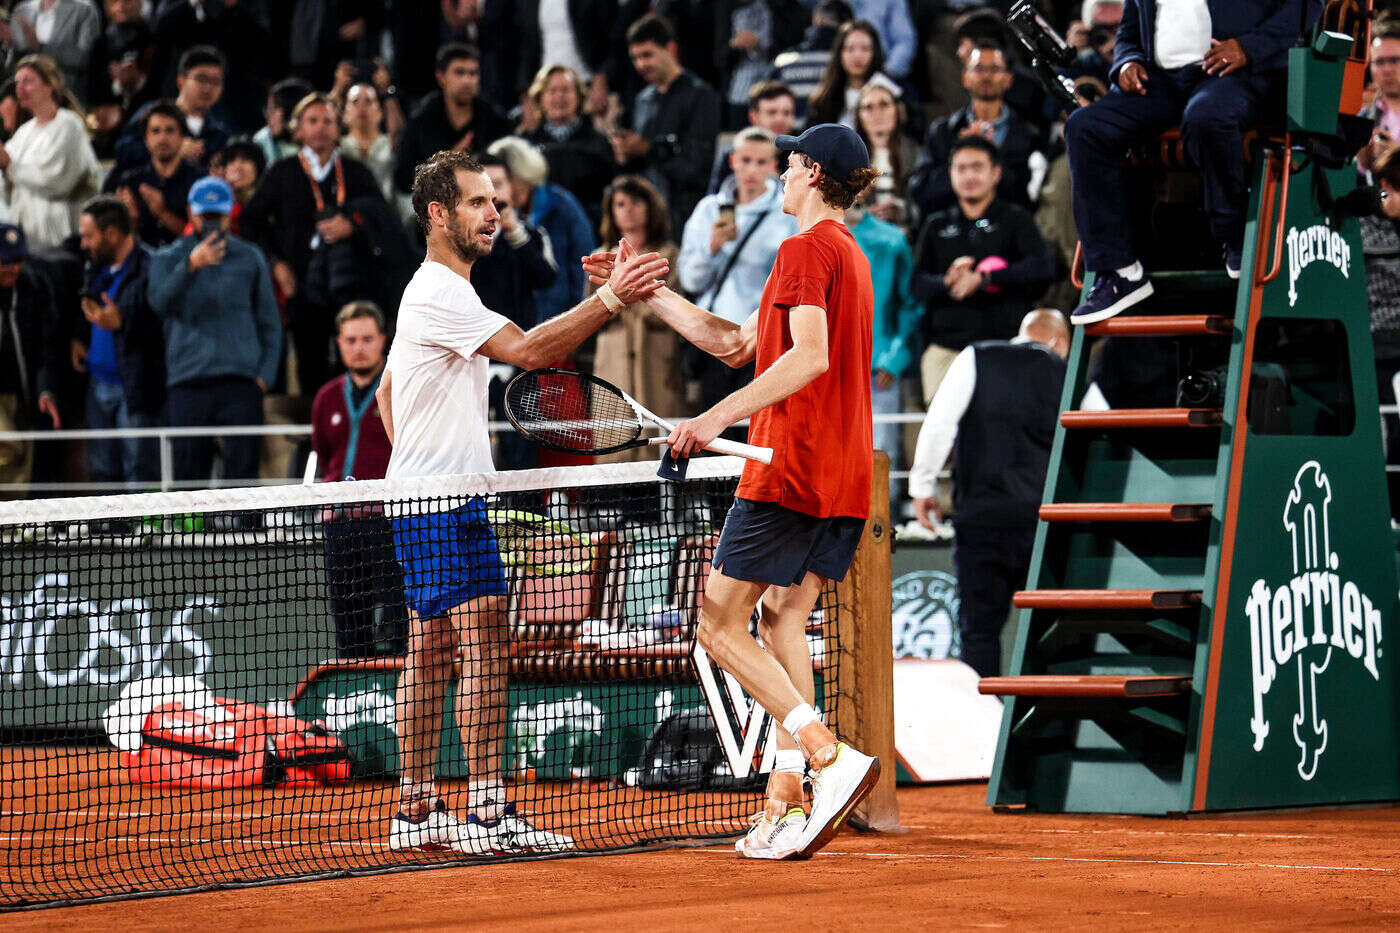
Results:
[185, 840]
[949, 856]
[1121, 832]
[213, 811]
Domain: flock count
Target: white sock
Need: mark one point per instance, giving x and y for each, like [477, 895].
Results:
[411, 791]
[790, 761]
[802, 716]
[1131, 273]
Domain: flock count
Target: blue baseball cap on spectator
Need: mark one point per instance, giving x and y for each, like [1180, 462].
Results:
[12, 245]
[835, 147]
[211, 195]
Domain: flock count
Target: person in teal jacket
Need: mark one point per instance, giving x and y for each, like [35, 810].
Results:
[897, 317]
[223, 335]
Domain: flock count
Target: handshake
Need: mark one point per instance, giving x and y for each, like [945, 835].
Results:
[632, 276]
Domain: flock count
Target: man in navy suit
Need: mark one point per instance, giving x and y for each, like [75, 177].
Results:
[1208, 64]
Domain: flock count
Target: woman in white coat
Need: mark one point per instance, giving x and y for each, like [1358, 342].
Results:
[49, 166]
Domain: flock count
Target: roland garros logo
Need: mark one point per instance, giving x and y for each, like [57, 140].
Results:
[1305, 247]
[1297, 628]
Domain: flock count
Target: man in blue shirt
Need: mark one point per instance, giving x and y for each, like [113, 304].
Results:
[125, 347]
[223, 335]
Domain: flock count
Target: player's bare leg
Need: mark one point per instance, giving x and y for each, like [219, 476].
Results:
[841, 776]
[427, 671]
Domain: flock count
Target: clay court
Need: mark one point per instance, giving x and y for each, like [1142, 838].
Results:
[958, 865]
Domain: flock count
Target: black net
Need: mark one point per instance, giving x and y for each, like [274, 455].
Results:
[571, 411]
[206, 689]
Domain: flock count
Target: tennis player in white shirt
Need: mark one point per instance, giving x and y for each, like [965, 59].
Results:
[434, 403]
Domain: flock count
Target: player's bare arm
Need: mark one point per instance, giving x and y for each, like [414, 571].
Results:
[804, 361]
[386, 411]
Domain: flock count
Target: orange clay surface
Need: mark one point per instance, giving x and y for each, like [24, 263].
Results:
[959, 865]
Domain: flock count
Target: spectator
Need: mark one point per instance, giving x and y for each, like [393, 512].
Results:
[12, 115]
[49, 162]
[1175, 70]
[157, 193]
[773, 107]
[319, 218]
[855, 58]
[580, 159]
[673, 121]
[30, 345]
[573, 34]
[236, 31]
[64, 30]
[200, 84]
[891, 20]
[555, 211]
[748, 54]
[276, 138]
[125, 349]
[1380, 237]
[223, 335]
[896, 320]
[996, 411]
[364, 139]
[1095, 61]
[801, 68]
[978, 265]
[880, 121]
[508, 278]
[363, 579]
[322, 33]
[729, 246]
[636, 351]
[1018, 144]
[374, 73]
[120, 79]
[452, 117]
[242, 166]
[1385, 109]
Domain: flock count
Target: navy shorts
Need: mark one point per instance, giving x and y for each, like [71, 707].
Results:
[448, 558]
[763, 542]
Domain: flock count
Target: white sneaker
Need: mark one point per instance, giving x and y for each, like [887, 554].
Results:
[770, 840]
[512, 833]
[433, 833]
[836, 789]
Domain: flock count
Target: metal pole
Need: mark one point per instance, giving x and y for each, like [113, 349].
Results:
[167, 468]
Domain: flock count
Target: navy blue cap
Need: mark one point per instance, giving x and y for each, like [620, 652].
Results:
[12, 245]
[211, 195]
[835, 147]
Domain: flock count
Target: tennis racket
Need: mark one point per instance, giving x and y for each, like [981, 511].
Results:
[578, 413]
[539, 545]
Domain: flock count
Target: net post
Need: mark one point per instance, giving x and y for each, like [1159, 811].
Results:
[865, 678]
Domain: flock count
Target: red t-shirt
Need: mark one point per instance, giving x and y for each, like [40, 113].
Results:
[821, 435]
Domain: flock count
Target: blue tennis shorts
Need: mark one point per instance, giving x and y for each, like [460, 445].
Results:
[448, 558]
[764, 542]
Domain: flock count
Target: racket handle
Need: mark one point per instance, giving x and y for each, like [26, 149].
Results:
[721, 446]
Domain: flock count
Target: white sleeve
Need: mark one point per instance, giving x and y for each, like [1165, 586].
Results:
[462, 323]
[940, 428]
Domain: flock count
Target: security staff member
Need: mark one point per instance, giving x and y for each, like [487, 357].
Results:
[996, 408]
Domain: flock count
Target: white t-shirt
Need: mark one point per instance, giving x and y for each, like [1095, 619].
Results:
[438, 382]
[1182, 33]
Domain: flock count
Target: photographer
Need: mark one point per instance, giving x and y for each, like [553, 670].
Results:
[320, 219]
[673, 121]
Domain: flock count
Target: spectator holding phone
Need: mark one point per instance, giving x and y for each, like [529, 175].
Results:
[156, 193]
[1385, 109]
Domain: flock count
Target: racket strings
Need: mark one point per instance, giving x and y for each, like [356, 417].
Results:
[561, 410]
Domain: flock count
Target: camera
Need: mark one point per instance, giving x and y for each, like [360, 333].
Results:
[1048, 49]
[1204, 389]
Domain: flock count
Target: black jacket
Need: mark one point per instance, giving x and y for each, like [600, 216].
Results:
[140, 340]
[930, 185]
[1266, 29]
[281, 217]
[582, 163]
[1003, 230]
[507, 278]
[240, 33]
[682, 137]
[131, 146]
[592, 22]
[30, 369]
[429, 131]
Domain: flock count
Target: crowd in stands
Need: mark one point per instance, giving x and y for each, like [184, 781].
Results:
[195, 191]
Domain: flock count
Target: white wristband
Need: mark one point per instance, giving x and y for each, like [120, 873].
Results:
[609, 298]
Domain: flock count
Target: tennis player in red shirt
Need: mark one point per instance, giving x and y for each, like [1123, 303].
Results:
[796, 522]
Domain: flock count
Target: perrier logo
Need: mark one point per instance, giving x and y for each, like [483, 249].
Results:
[1300, 624]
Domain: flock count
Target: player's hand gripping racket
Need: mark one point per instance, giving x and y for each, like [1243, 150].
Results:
[578, 413]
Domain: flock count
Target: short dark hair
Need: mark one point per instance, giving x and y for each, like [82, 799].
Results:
[983, 23]
[109, 213]
[842, 194]
[167, 109]
[980, 143]
[455, 51]
[838, 10]
[200, 55]
[287, 92]
[769, 90]
[486, 160]
[361, 308]
[248, 151]
[436, 180]
[651, 28]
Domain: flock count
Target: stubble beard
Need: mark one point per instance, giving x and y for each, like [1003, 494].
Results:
[466, 247]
